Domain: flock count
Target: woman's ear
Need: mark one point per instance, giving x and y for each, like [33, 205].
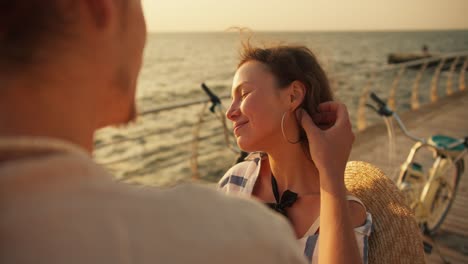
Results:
[297, 94]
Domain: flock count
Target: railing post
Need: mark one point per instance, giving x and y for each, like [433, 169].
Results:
[435, 81]
[195, 138]
[391, 98]
[449, 90]
[361, 114]
[461, 83]
[415, 90]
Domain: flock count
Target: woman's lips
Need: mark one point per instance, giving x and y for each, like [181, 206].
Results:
[238, 126]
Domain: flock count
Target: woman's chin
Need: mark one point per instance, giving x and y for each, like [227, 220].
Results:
[246, 145]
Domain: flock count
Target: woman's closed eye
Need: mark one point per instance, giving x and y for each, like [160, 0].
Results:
[244, 94]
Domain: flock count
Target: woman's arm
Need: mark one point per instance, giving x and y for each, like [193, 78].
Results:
[330, 149]
[337, 240]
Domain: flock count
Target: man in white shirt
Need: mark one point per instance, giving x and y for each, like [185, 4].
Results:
[68, 68]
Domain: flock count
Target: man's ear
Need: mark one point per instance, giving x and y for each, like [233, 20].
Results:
[101, 11]
[297, 94]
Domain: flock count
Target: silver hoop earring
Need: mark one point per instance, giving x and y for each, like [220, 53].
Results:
[284, 134]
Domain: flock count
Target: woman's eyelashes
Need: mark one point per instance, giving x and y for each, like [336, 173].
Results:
[240, 95]
[244, 94]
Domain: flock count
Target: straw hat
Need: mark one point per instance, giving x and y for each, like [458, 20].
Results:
[395, 236]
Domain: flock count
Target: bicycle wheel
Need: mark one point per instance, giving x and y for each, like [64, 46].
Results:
[444, 197]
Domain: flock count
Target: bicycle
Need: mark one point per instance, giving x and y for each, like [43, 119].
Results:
[430, 193]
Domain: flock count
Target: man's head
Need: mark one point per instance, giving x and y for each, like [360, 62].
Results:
[87, 53]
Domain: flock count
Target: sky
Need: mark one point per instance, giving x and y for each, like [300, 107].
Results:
[304, 15]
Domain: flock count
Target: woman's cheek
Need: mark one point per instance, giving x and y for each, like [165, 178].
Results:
[244, 107]
[248, 105]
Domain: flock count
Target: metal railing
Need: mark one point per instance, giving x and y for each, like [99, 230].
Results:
[452, 62]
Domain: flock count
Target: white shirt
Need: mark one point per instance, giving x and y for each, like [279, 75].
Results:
[58, 206]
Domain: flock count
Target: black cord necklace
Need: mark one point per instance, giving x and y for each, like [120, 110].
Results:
[287, 199]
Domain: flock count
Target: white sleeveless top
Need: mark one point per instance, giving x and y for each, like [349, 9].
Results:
[240, 180]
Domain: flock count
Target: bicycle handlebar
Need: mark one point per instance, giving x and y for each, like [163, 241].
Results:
[382, 110]
[213, 97]
[377, 99]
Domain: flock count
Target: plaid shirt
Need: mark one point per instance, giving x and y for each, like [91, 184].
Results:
[240, 180]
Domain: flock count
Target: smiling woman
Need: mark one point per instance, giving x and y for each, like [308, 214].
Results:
[283, 111]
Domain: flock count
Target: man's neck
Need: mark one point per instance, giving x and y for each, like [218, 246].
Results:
[46, 113]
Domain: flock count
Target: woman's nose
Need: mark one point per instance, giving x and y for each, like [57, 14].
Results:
[233, 112]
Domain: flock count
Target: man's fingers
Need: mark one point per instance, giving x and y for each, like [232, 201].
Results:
[324, 118]
[306, 122]
[338, 109]
[330, 106]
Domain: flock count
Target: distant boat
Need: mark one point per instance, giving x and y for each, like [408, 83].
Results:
[394, 58]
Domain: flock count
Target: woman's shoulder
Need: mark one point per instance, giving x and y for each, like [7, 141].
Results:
[365, 229]
[237, 177]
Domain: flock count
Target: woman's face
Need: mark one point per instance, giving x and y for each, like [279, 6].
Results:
[257, 107]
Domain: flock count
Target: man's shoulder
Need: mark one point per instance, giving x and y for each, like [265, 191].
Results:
[203, 206]
[179, 224]
[231, 228]
[204, 199]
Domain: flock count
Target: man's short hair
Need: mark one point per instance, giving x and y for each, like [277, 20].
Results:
[27, 28]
